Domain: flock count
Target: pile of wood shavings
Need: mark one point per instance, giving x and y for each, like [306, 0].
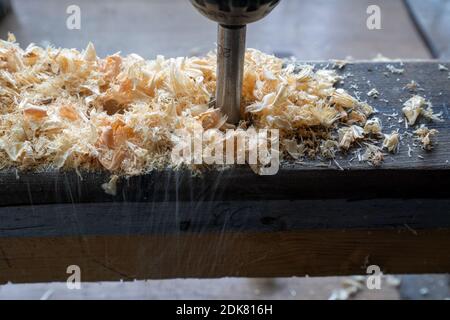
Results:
[61, 108]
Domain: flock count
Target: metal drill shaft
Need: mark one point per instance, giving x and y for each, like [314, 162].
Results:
[230, 70]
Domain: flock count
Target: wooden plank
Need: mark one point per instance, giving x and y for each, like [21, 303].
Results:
[237, 184]
[399, 176]
[241, 254]
[308, 219]
[160, 218]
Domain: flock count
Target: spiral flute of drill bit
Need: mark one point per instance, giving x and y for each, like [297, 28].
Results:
[230, 69]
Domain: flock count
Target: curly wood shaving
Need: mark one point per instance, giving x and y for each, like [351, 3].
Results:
[110, 187]
[373, 155]
[395, 70]
[373, 93]
[425, 136]
[414, 107]
[391, 141]
[347, 136]
[373, 126]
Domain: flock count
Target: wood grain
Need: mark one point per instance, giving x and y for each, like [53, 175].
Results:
[191, 217]
[280, 254]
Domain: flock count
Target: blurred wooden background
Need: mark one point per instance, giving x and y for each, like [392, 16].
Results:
[307, 29]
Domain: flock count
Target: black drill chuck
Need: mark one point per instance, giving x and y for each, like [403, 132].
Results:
[235, 12]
